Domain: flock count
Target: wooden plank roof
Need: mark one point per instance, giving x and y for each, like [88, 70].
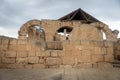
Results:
[79, 14]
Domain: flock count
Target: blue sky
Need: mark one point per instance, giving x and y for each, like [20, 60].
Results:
[14, 13]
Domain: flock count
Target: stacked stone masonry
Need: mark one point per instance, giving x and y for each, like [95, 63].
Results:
[80, 45]
[23, 54]
[117, 50]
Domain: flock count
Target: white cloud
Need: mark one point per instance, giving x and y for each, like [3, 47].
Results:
[16, 12]
[8, 32]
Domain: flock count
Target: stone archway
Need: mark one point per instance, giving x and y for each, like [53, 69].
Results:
[110, 35]
[30, 32]
[22, 34]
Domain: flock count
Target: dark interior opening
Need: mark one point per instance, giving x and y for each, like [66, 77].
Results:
[68, 29]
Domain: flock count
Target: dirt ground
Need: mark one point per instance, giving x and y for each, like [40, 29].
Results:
[60, 74]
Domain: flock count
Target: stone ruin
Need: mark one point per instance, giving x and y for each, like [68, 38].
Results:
[75, 40]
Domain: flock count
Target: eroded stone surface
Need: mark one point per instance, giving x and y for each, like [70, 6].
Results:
[56, 43]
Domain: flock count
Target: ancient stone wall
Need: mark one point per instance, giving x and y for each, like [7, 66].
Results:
[86, 53]
[84, 47]
[117, 50]
[86, 32]
[50, 27]
[16, 53]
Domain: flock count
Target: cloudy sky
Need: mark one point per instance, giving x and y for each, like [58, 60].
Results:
[14, 13]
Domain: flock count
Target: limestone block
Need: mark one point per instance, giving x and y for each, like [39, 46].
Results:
[68, 53]
[53, 61]
[39, 66]
[116, 44]
[86, 32]
[61, 53]
[33, 60]
[22, 54]
[68, 60]
[15, 66]
[84, 65]
[87, 47]
[98, 43]
[85, 57]
[104, 65]
[54, 53]
[28, 24]
[5, 41]
[41, 54]
[13, 41]
[13, 47]
[28, 47]
[0, 41]
[38, 48]
[21, 60]
[2, 53]
[33, 48]
[10, 66]
[10, 54]
[21, 41]
[79, 47]
[110, 50]
[47, 53]
[8, 60]
[49, 37]
[76, 23]
[28, 66]
[76, 61]
[98, 50]
[0, 60]
[108, 44]
[104, 50]
[77, 42]
[50, 45]
[67, 42]
[59, 46]
[66, 66]
[86, 52]
[31, 54]
[91, 43]
[118, 47]
[21, 47]
[97, 58]
[41, 60]
[22, 37]
[108, 58]
[74, 52]
[0, 47]
[85, 43]
[67, 23]
[5, 47]
[68, 47]
[53, 66]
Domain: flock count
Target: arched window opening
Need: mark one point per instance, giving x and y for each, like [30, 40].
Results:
[39, 28]
[64, 33]
[36, 33]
